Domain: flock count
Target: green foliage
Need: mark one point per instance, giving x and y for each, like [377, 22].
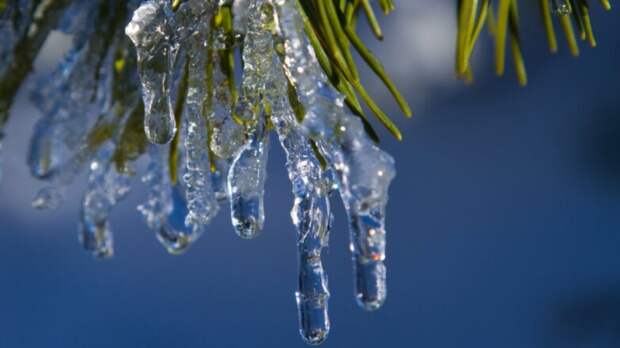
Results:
[503, 24]
[331, 27]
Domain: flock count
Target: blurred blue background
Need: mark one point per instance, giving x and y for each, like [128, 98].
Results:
[503, 222]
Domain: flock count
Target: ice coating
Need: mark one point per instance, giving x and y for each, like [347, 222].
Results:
[75, 101]
[246, 178]
[363, 172]
[71, 100]
[105, 188]
[311, 214]
[24, 27]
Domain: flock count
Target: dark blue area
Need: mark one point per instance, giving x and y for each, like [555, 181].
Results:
[503, 225]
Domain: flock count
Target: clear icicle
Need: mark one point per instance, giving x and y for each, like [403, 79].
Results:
[246, 178]
[159, 33]
[246, 185]
[105, 188]
[202, 203]
[363, 171]
[176, 211]
[149, 31]
[310, 214]
[166, 208]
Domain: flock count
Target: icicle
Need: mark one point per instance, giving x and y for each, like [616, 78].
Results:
[310, 214]
[149, 32]
[166, 209]
[246, 178]
[158, 34]
[105, 188]
[246, 185]
[363, 171]
[202, 202]
[176, 211]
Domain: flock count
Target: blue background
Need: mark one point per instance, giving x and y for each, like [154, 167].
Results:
[503, 223]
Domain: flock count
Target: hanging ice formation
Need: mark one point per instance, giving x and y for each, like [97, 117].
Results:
[209, 138]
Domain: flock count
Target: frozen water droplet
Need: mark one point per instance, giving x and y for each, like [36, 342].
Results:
[48, 197]
[562, 7]
[96, 237]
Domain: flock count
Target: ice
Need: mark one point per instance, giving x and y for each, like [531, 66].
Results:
[149, 30]
[246, 178]
[311, 215]
[363, 171]
[166, 208]
[24, 27]
[77, 100]
[159, 34]
[209, 137]
[105, 188]
[246, 185]
[203, 205]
